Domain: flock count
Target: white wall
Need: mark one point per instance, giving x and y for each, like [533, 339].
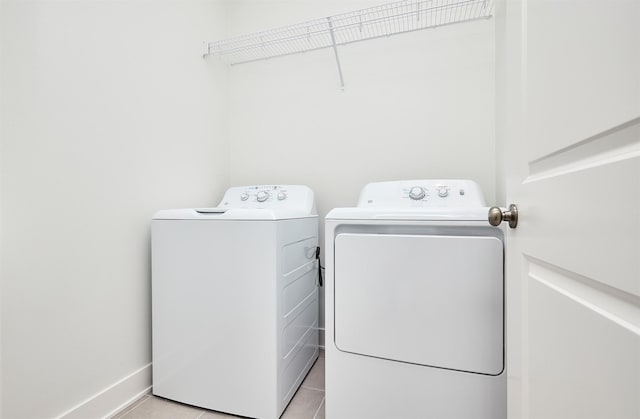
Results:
[418, 105]
[108, 114]
[500, 100]
[1, 172]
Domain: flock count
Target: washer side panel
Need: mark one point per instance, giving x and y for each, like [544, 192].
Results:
[214, 315]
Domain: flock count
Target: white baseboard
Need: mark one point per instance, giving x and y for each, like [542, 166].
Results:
[114, 398]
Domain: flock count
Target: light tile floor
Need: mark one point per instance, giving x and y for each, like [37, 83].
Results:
[308, 403]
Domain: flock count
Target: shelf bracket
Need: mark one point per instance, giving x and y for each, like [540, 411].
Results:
[205, 49]
[335, 51]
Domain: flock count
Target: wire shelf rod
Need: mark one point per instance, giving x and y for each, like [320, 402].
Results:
[348, 42]
[347, 28]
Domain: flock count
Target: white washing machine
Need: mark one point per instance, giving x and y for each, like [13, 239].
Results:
[235, 300]
[415, 304]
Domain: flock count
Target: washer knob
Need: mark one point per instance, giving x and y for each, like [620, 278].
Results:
[244, 196]
[262, 196]
[443, 192]
[282, 196]
[416, 193]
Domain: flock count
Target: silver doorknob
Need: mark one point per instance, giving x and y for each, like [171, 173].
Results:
[496, 216]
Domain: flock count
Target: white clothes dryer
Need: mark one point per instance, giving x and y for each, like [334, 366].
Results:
[415, 304]
[235, 300]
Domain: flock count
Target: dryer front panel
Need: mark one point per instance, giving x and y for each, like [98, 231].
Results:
[423, 299]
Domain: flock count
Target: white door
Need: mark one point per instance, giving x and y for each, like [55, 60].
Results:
[568, 107]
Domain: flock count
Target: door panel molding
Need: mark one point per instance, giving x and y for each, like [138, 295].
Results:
[579, 364]
[613, 145]
[617, 306]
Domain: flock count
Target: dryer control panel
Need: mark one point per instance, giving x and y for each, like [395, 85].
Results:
[426, 193]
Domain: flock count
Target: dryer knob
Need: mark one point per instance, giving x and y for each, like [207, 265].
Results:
[416, 193]
[244, 196]
[281, 196]
[262, 196]
[443, 192]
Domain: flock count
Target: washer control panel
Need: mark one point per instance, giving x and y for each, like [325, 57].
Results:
[267, 196]
[417, 193]
[450, 193]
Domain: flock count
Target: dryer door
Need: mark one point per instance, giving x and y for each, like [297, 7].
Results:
[429, 300]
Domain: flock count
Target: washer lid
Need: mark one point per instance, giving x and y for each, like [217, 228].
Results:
[258, 202]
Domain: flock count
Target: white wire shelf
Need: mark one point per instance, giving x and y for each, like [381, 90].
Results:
[375, 22]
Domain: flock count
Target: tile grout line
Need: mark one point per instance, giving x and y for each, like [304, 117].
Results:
[318, 410]
[312, 388]
[201, 414]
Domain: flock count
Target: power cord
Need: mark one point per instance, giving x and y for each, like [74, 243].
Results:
[320, 267]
